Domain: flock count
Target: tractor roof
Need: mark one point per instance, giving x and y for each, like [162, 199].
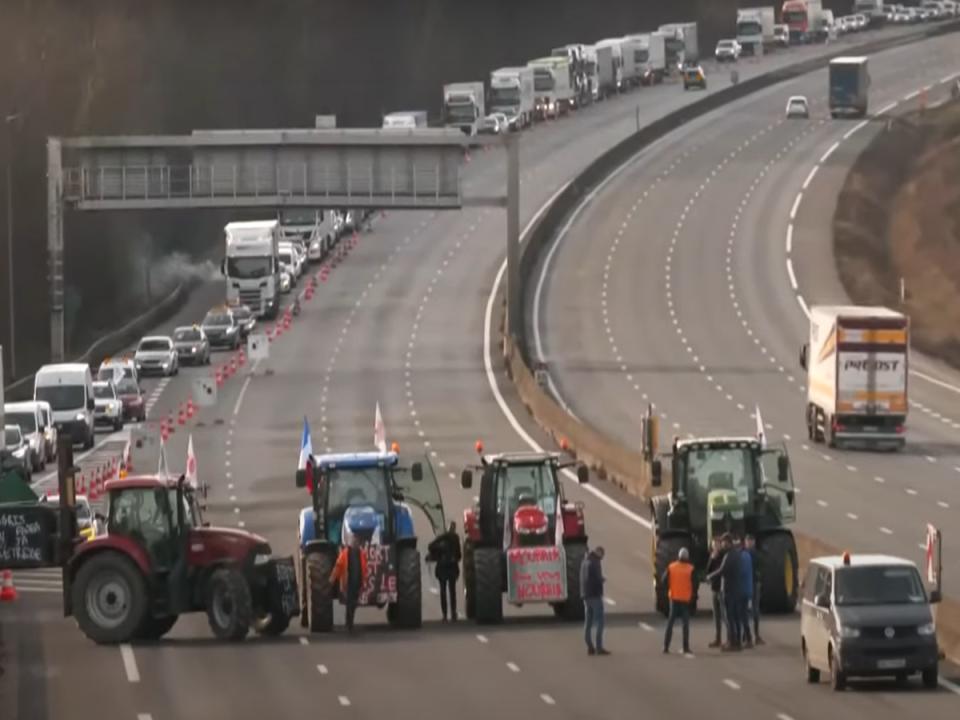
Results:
[717, 442]
[521, 458]
[141, 482]
[356, 460]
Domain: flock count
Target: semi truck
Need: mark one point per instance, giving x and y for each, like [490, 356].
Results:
[651, 56]
[553, 93]
[580, 77]
[632, 50]
[592, 71]
[805, 20]
[463, 106]
[511, 93]
[251, 267]
[615, 45]
[849, 86]
[755, 29]
[680, 43]
[857, 363]
[405, 120]
[606, 70]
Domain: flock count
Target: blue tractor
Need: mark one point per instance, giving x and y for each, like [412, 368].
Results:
[370, 495]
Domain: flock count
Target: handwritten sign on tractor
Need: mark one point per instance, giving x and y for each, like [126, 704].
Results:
[536, 574]
[381, 585]
[27, 536]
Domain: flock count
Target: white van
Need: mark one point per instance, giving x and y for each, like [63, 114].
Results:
[69, 390]
[28, 417]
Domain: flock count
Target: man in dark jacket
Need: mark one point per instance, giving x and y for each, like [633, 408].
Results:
[445, 551]
[713, 565]
[591, 590]
[729, 572]
[751, 547]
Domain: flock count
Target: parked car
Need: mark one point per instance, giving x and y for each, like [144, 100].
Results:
[798, 107]
[27, 416]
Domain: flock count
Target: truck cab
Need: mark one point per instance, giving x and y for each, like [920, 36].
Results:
[251, 267]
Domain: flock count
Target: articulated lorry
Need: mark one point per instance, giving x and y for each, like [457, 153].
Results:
[805, 20]
[463, 106]
[680, 42]
[554, 96]
[511, 93]
[251, 266]
[631, 52]
[849, 86]
[615, 46]
[579, 75]
[651, 56]
[755, 29]
[606, 70]
[857, 362]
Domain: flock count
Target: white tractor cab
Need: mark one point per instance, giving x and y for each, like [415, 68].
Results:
[29, 418]
[867, 616]
[68, 387]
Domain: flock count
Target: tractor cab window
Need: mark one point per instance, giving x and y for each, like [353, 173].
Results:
[423, 493]
[144, 515]
[706, 469]
[534, 483]
[779, 489]
[350, 486]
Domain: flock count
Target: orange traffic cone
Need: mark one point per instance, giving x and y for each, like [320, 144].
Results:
[93, 494]
[182, 416]
[8, 593]
[170, 428]
[191, 409]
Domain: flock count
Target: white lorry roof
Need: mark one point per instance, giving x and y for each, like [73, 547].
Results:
[856, 311]
[253, 225]
[848, 60]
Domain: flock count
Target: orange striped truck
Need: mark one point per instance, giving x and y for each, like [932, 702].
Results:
[857, 368]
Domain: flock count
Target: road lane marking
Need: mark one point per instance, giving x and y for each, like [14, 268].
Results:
[343, 700]
[793, 278]
[853, 516]
[829, 152]
[304, 640]
[322, 669]
[796, 205]
[129, 663]
[813, 173]
[547, 699]
[951, 686]
[783, 716]
[646, 626]
[732, 684]
[789, 238]
[144, 716]
[513, 667]
[482, 638]
[886, 531]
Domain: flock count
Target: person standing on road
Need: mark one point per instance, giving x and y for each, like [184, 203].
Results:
[746, 597]
[350, 572]
[751, 549]
[713, 565]
[679, 581]
[445, 551]
[729, 572]
[591, 590]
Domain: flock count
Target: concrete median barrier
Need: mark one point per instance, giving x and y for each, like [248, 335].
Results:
[608, 458]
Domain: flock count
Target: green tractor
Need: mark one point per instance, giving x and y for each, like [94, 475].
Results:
[727, 485]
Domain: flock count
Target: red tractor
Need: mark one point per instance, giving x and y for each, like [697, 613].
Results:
[522, 537]
[159, 560]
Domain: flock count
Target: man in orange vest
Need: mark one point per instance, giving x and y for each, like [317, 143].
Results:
[679, 581]
[351, 574]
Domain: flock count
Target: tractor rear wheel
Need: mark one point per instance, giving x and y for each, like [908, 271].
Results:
[154, 628]
[110, 598]
[469, 580]
[666, 549]
[488, 590]
[229, 604]
[319, 565]
[408, 612]
[777, 557]
[571, 609]
[301, 568]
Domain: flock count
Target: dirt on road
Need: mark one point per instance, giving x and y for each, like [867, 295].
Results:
[898, 216]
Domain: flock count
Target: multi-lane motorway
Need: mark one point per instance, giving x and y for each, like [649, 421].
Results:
[402, 323]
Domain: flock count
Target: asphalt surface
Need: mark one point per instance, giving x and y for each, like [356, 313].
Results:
[400, 322]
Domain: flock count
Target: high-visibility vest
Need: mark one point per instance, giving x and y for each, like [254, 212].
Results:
[680, 581]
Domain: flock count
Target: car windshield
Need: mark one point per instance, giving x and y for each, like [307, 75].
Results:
[217, 320]
[128, 387]
[187, 335]
[725, 44]
[249, 268]
[706, 469]
[61, 397]
[879, 585]
[154, 346]
[242, 313]
[26, 421]
[11, 436]
[103, 392]
[534, 481]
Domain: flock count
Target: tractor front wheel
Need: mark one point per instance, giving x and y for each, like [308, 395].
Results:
[777, 558]
[229, 605]
[408, 610]
[319, 592]
[487, 585]
[571, 609]
[666, 550]
[110, 598]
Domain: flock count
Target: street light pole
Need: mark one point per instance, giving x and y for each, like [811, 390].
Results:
[9, 120]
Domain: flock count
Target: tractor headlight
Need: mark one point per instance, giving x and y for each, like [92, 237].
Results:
[926, 630]
[262, 558]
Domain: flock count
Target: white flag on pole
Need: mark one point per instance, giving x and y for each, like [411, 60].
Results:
[191, 471]
[162, 469]
[306, 445]
[761, 435]
[379, 432]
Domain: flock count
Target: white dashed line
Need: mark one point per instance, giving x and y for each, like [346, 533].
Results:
[513, 667]
[129, 663]
[483, 639]
[322, 669]
[344, 700]
[547, 699]
[886, 531]
[732, 684]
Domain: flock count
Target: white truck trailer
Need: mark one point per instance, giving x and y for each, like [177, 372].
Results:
[755, 29]
[554, 96]
[857, 363]
[251, 267]
[463, 106]
[632, 50]
[511, 93]
[405, 120]
[681, 41]
[606, 70]
[616, 50]
[651, 57]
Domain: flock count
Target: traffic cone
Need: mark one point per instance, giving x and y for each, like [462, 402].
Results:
[170, 428]
[81, 488]
[241, 359]
[94, 494]
[286, 322]
[218, 374]
[8, 593]
[182, 416]
[191, 409]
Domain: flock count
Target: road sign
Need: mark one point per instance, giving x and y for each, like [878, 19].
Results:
[205, 391]
[258, 347]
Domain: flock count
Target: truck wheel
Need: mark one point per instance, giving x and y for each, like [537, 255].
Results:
[154, 628]
[110, 598]
[571, 609]
[408, 612]
[777, 556]
[666, 550]
[319, 592]
[488, 586]
[229, 605]
[302, 586]
[469, 578]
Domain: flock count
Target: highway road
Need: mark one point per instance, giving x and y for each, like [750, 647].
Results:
[401, 322]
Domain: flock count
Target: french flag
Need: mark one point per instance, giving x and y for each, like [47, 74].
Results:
[306, 450]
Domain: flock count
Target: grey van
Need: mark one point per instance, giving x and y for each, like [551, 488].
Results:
[867, 616]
